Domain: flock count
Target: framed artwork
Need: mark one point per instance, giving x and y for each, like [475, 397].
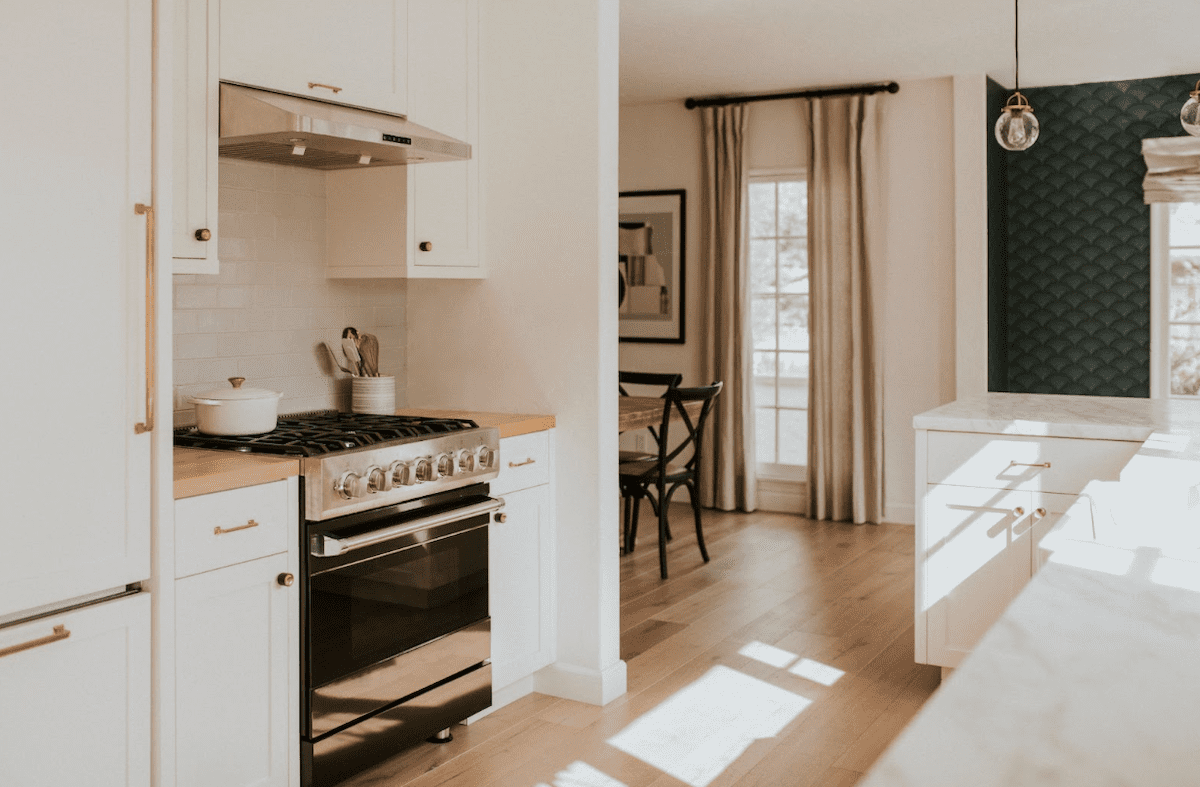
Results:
[651, 261]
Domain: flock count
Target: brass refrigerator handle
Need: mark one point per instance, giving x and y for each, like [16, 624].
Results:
[60, 632]
[151, 336]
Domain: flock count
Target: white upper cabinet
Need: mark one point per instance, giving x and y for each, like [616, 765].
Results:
[419, 221]
[197, 56]
[350, 53]
[77, 132]
[443, 94]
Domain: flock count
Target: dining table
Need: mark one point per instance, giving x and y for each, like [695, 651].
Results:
[638, 412]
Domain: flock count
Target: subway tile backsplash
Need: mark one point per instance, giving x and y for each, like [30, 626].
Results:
[265, 315]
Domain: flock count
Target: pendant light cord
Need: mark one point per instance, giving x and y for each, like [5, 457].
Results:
[1016, 46]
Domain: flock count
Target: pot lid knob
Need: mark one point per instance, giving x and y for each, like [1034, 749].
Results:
[236, 382]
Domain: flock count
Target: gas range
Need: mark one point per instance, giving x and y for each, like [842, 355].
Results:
[353, 462]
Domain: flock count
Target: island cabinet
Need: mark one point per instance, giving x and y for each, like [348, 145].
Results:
[350, 53]
[521, 565]
[421, 220]
[237, 638]
[983, 503]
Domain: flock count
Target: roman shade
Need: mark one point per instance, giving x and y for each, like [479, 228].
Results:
[1172, 169]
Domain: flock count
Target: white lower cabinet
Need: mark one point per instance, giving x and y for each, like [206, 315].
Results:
[984, 501]
[521, 561]
[81, 682]
[237, 639]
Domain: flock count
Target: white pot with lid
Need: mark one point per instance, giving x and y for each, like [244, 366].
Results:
[237, 410]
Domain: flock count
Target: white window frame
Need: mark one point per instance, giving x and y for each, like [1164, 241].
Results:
[1160, 303]
[773, 471]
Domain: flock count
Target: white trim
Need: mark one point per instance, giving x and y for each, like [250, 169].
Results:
[900, 514]
[782, 497]
[581, 684]
[777, 173]
[1160, 301]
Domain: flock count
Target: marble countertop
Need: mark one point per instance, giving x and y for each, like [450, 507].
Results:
[1092, 675]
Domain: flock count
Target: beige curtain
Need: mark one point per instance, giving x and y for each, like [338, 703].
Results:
[845, 416]
[727, 476]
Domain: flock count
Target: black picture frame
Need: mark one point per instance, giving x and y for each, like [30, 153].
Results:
[653, 222]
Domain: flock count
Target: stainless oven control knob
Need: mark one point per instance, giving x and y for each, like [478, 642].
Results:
[351, 485]
[426, 470]
[445, 465]
[466, 460]
[378, 480]
[486, 458]
[402, 473]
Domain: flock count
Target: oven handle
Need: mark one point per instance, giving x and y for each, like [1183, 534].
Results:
[325, 546]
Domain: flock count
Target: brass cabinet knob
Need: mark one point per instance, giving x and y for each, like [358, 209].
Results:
[286, 579]
[1040, 513]
[501, 518]
[1018, 511]
[204, 234]
[425, 245]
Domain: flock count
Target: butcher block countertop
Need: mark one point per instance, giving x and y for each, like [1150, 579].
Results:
[510, 424]
[200, 471]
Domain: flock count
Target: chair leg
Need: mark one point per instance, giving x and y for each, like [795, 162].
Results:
[626, 513]
[662, 533]
[696, 511]
[635, 505]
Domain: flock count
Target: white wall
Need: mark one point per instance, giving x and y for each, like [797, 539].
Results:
[264, 316]
[539, 334]
[661, 148]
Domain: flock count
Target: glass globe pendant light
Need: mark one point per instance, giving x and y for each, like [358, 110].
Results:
[1017, 128]
[1189, 116]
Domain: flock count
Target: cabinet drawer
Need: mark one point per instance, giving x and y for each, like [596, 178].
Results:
[1051, 464]
[524, 462]
[224, 528]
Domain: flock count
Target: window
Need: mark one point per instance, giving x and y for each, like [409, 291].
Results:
[1175, 347]
[778, 237]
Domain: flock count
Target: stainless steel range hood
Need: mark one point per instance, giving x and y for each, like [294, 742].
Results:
[258, 125]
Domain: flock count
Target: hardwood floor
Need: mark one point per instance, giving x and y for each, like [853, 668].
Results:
[727, 670]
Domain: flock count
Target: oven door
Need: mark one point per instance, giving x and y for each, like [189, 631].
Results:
[397, 602]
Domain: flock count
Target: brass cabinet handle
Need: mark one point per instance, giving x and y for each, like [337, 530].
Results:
[502, 518]
[286, 579]
[425, 245]
[151, 336]
[1026, 464]
[528, 461]
[204, 234]
[1040, 513]
[1018, 511]
[219, 530]
[311, 85]
[60, 632]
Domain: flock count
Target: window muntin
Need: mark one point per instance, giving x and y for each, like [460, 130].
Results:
[1183, 281]
[778, 244]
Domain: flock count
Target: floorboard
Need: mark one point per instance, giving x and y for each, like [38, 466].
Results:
[815, 617]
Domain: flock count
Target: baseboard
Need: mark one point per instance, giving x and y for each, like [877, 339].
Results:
[501, 697]
[900, 514]
[582, 685]
[782, 497]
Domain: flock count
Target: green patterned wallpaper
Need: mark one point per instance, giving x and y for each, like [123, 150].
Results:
[1077, 267]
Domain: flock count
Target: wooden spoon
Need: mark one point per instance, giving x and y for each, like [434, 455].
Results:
[368, 347]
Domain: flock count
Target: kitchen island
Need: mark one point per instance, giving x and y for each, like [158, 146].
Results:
[1090, 675]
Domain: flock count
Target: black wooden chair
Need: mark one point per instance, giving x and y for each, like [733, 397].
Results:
[657, 478]
[665, 381]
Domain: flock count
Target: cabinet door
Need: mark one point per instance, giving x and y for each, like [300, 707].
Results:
[76, 710]
[349, 53]
[77, 492]
[1047, 509]
[233, 706]
[971, 563]
[520, 595]
[443, 50]
[194, 231]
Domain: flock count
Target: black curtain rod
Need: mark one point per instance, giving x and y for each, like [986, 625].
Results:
[721, 101]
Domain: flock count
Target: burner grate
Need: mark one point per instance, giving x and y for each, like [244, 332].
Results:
[325, 432]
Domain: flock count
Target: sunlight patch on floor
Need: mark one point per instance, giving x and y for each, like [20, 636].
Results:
[767, 654]
[703, 728]
[817, 672]
[580, 774]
